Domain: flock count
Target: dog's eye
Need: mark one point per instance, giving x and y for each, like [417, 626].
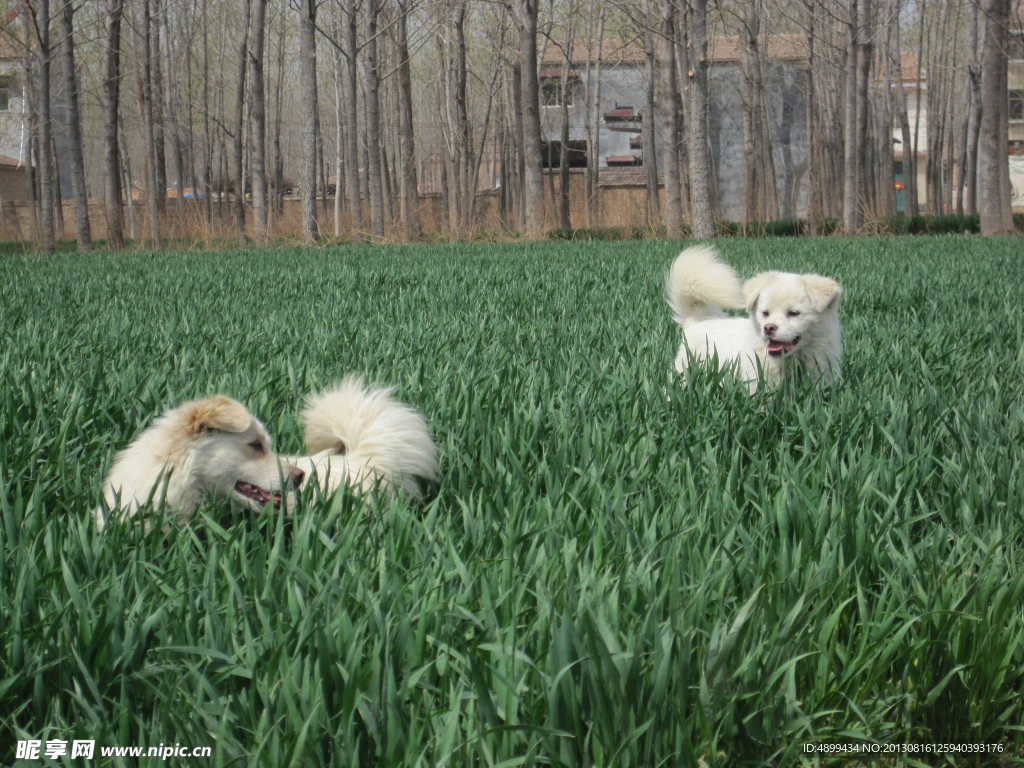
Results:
[765, 313]
[793, 313]
[257, 446]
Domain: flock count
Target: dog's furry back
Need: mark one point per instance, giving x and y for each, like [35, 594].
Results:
[699, 286]
[377, 438]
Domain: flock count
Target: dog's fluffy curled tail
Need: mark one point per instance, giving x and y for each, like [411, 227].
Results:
[699, 286]
[385, 441]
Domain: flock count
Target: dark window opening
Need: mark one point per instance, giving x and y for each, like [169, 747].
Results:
[1016, 104]
[576, 154]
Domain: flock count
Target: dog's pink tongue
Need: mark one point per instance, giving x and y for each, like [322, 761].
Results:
[776, 346]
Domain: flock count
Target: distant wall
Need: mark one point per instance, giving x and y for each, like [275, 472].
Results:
[620, 206]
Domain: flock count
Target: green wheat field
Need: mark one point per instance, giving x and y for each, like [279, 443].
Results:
[617, 570]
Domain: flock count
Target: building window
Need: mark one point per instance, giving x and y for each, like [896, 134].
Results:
[5, 94]
[1016, 104]
[551, 154]
[551, 93]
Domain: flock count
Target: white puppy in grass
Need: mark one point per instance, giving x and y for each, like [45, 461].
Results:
[212, 448]
[792, 323]
[360, 436]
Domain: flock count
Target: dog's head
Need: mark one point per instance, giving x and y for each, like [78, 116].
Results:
[787, 309]
[230, 454]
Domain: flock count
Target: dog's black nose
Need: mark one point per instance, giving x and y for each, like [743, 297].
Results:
[295, 476]
[770, 328]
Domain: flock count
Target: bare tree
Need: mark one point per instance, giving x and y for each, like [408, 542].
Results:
[456, 130]
[855, 116]
[375, 167]
[760, 194]
[82, 232]
[409, 198]
[111, 102]
[670, 124]
[257, 89]
[154, 192]
[352, 175]
[565, 95]
[972, 130]
[238, 127]
[906, 137]
[648, 134]
[993, 164]
[593, 106]
[525, 15]
[156, 75]
[697, 105]
[310, 128]
[37, 25]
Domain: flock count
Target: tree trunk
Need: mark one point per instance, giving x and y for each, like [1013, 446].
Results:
[44, 164]
[239, 126]
[564, 219]
[82, 233]
[276, 158]
[257, 89]
[530, 146]
[111, 102]
[310, 101]
[906, 137]
[649, 144]
[973, 135]
[463, 129]
[993, 155]
[701, 204]
[593, 173]
[352, 179]
[375, 170]
[852, 216]
[207, 133]
[669, 100]
[760, 193]
[171, 113]
[153, 192]
[409, 197]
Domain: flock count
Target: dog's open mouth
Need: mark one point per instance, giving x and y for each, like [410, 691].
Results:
[259, 495]
[776, 347]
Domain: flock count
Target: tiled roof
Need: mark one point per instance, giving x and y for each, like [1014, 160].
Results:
[720, 48]
[555, 73]
[622, 114]
[611, 51]
[779, 47]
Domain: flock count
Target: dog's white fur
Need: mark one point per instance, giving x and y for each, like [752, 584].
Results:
[792, 322]
[201, 449]
[360, 436]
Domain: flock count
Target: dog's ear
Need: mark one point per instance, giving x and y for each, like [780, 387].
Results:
[218, 413]
[823, 291]
[754, 286]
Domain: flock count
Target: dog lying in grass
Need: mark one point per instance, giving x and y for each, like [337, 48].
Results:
[212, 448]
[360, 436]
[792, 323]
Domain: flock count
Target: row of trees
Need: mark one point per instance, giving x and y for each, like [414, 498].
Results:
[236, 102]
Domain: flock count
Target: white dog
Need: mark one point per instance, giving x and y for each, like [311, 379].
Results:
[793, 319]
[205, 448]
[360, 436]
